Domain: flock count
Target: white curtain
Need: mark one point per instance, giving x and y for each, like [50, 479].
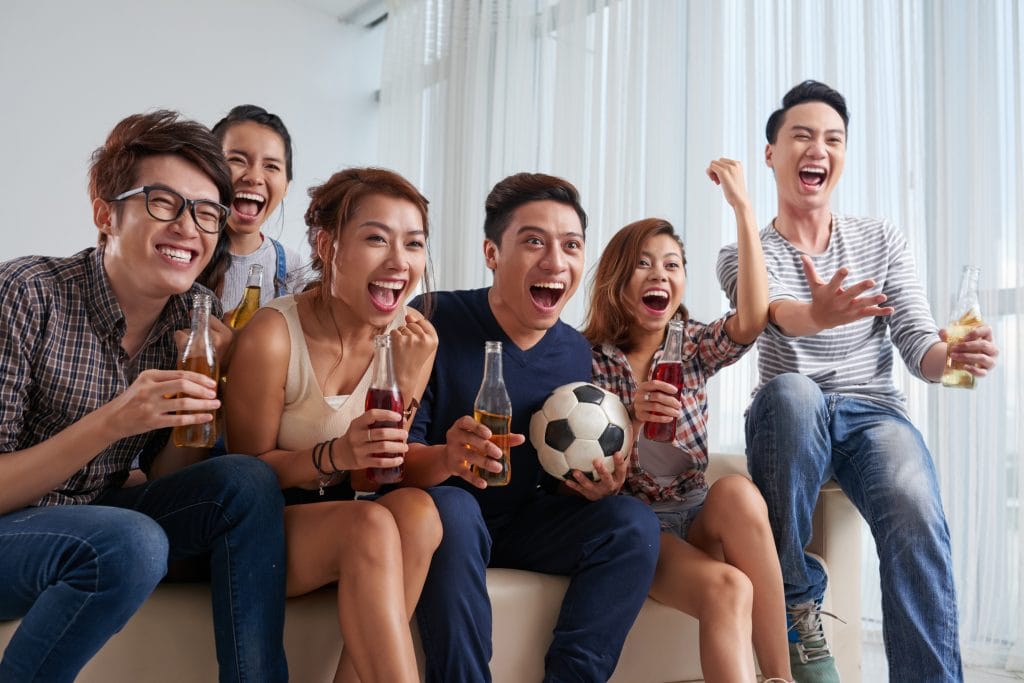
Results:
[631, 99]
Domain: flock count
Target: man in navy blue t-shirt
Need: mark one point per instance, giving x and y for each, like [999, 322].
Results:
[608, 545]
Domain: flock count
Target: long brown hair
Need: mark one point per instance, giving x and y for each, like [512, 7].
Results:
[608, 320]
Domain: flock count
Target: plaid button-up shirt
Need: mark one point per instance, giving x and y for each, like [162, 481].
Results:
[60, 350]
[706, 350]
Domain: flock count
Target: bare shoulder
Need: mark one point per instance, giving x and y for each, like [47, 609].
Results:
[264, 339]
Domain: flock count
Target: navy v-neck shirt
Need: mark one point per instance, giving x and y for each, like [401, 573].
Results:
[464, 321]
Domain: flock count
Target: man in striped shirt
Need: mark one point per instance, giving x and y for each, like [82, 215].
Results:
[843, 292]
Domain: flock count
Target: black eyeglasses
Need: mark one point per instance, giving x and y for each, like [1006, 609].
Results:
[166, 205]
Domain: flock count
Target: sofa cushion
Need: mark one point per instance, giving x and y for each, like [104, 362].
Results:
[171, 637]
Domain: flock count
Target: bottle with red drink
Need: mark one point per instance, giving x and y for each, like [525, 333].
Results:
[384, 393]
[669, 369]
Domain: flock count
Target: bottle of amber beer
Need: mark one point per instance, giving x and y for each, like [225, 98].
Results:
[250, 299]
[965, 317]
[384, 393]
[493, 409]
[199, 356]
[669, 369]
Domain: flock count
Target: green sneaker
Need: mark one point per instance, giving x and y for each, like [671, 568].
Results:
[809, 656]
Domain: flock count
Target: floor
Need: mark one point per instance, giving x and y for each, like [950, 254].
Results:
[874, 670]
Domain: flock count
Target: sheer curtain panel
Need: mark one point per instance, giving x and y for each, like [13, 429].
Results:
[631, 99]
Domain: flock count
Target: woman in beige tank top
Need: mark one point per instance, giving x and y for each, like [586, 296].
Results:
[299, 376]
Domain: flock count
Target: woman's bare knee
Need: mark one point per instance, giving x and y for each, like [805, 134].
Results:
[728, 591]
[417, 518]
[735, 502]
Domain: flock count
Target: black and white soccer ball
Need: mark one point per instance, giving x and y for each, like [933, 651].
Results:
[577, 424]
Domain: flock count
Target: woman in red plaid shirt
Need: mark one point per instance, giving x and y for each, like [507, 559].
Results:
[718, 560]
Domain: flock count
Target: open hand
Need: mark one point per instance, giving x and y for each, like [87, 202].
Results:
[833, 305]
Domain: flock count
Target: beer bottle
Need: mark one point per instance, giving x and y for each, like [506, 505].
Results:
[199, 356]
[669, 369]
[384, 393]
[493, 409]
[247, 308]
[965, 317]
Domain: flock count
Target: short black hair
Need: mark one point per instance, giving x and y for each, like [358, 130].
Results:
[522, 188]
[251, 112]
[808, 91]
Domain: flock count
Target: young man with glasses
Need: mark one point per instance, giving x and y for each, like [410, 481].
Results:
[89, 384]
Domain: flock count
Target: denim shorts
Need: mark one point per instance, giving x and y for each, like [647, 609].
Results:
[678, 521]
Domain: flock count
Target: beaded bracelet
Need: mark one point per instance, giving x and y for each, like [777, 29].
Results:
[323, 478]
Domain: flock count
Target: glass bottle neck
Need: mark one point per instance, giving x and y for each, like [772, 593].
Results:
[492, 367]
[383, 374]
[255, 278]
[673, 342]
[201, 318]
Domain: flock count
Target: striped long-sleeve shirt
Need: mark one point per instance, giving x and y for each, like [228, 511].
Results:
[855, 358]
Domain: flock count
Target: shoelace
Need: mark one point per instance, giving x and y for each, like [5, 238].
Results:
[807, 622]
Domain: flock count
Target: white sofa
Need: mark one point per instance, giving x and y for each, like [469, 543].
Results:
[171, 637]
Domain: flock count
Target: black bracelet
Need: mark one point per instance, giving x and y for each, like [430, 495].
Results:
[322, 446]
[330, 456]
[323, 479]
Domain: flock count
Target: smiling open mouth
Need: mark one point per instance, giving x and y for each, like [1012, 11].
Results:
[384, 294]
[247, 204]
[176, 255]
[815, 177]
[655, 300]
[547, 294]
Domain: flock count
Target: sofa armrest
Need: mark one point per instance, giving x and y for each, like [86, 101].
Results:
[836, 539]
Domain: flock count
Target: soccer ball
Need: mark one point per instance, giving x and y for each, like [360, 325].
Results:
[577, 424]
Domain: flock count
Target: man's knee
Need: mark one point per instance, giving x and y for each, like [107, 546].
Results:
[464, 532]
[247, 485]
[127, 551]
[791, 395]
[633, 524]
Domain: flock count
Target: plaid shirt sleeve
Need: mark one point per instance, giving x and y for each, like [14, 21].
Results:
[19, 325]
[713, 346]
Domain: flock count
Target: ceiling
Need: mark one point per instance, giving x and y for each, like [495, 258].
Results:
[361, 12]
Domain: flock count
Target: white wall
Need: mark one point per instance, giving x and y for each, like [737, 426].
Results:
[70, 70]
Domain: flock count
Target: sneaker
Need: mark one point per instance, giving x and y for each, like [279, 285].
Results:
[809, 657]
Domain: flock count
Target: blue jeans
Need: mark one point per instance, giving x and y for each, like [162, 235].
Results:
[76, 574]
[797, 438]
[609, 548]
